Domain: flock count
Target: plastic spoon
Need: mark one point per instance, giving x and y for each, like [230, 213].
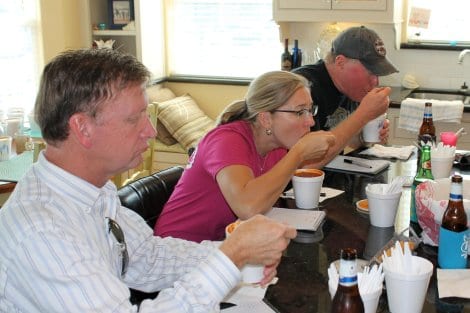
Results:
[459, 132]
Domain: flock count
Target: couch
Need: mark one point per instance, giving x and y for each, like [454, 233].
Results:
[185, 113]
[147, 196]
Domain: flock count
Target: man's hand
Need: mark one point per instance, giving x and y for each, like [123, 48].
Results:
[375, 103]
[258, 240]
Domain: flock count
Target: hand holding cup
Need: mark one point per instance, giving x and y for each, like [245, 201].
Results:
[257, 241]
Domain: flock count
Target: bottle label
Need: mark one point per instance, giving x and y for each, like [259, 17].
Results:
[347, 272]
[426, 165]
[453, 248]
[455, 192]
[455, 197]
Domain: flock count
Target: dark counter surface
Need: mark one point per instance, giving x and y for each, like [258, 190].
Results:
[303, 276]
[398, 94]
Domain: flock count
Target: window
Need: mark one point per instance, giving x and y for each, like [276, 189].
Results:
[224, 38]
[20, 54]
[439, 22]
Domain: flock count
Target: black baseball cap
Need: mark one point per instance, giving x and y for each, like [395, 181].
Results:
[365, 45]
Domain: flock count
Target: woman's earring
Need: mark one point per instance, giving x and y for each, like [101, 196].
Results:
[269, 132]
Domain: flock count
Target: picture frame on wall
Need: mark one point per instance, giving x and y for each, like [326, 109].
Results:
[121, 12]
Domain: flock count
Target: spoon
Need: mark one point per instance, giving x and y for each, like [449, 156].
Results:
[459, 132]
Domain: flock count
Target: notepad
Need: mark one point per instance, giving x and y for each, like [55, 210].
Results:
[338, 165]
[298, 218]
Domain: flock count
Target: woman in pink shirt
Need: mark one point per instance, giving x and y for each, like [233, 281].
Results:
[240, 168]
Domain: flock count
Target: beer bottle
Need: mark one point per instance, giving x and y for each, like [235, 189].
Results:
[347, 298]
[453, 232]
[427, 131]
[422, 174]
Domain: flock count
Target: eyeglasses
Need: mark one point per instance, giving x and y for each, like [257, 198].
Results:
[116, 230]
[302, 113]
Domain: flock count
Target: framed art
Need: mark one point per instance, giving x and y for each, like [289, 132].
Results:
[121, 12]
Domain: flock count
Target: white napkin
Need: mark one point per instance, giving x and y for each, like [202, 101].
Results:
[329, 193]
[453, 283]
[411, 112]
[248, 298]
[402, 153]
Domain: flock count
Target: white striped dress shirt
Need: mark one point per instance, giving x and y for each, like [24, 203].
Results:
[57, 256]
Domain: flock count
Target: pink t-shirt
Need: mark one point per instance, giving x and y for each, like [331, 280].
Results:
[197, 210]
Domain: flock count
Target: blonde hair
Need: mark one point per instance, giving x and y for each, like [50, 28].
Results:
[266, 93]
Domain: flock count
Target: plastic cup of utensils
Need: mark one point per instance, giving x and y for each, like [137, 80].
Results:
[370, 299]
[406, 290]
[441, 166]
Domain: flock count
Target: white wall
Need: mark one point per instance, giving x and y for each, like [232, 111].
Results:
[432, 68]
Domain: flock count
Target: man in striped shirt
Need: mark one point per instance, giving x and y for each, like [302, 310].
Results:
[67, 244]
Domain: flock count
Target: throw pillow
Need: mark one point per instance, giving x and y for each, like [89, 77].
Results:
[157, 93]
[164, 135]
[184, 120]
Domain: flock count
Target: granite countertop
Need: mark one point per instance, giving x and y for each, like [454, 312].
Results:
[398, 94]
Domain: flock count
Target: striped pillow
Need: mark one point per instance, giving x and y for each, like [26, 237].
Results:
[184, 120]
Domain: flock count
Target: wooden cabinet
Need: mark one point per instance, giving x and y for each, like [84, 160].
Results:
[361, 11]
[144, 40]
[400, 136]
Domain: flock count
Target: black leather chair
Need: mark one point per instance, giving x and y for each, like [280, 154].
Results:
[147, 196]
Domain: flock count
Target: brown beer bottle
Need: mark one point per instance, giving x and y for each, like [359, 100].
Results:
[452, 251]
[454, 217]
[347, 298]
[427, 131]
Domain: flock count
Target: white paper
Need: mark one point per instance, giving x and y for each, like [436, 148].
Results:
[298, 218]
[248, 298]
[338, 164]
[329, 193]
[402, 153]
[453, 283]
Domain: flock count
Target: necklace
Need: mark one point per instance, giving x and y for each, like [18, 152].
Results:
[262, 162]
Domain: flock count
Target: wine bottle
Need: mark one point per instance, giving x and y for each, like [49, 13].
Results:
[453, 232]
[286, 57]
[296, 55]
[347, 298]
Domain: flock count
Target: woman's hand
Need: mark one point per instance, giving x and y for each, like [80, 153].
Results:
[315, 145]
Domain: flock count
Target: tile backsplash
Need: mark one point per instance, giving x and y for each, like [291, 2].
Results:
[431, 68]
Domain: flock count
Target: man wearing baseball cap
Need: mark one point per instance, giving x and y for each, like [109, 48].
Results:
[344, 86]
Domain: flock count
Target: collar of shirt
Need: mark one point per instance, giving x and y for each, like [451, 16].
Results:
[76, 189]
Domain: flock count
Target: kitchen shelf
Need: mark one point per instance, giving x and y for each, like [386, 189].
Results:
[114, 33]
